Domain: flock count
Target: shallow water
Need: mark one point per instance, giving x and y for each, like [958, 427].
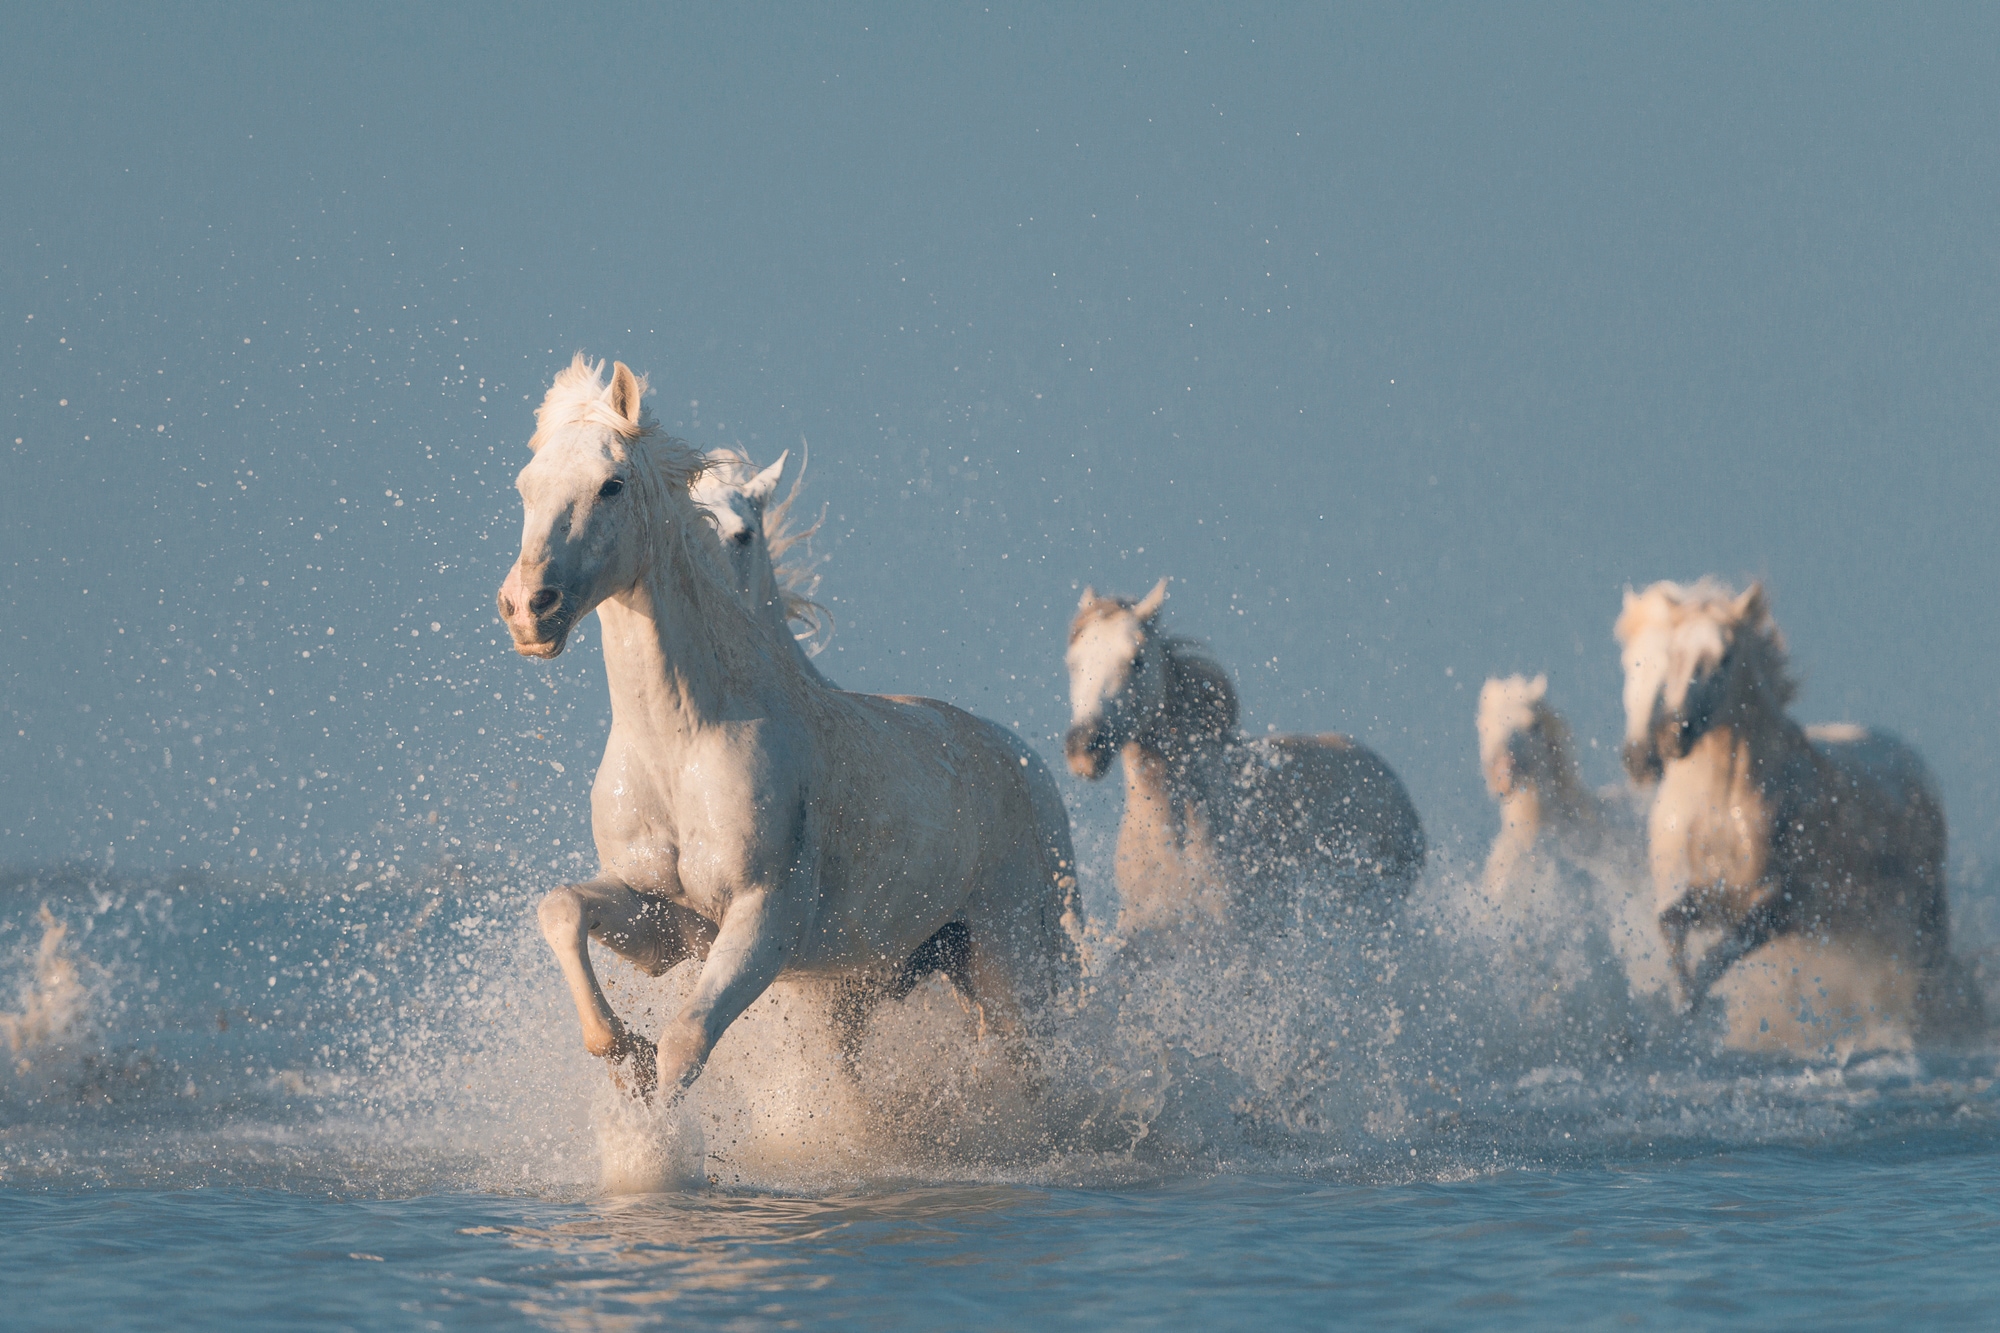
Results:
[1848, 1235]
[346, 1104]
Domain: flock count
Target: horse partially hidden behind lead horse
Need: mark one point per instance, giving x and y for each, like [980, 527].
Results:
[746, 813]
[1217, 825]
[757, 544]
[1764, 829]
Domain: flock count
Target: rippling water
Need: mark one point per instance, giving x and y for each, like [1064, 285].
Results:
[355, 1104]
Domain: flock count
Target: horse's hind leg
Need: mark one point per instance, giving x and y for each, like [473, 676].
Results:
[653, 933]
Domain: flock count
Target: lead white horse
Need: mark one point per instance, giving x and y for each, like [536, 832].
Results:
[1216, 824]
[1763, 829]
[746, 813]
[761, 546]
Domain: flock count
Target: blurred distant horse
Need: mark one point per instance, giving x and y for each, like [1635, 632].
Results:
[1217, 825]
[1762, 828]
[1545, 810]
[1568, 863]
[746, 813]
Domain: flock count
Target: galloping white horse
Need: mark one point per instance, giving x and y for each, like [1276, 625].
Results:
[747, 813]
[1546, 813]
[1215, 822]
[757, 539]
[1762, 827]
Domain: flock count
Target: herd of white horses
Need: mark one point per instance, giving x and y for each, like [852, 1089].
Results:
[752, 815]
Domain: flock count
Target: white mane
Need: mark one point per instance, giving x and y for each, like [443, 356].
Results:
[577, 398]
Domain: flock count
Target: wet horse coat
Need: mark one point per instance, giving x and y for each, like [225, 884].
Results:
[747, 813]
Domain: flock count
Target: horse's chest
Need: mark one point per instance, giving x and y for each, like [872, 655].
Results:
[1708, 832]
[660, 818]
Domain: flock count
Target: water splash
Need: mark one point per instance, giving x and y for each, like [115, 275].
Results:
[415, 1036]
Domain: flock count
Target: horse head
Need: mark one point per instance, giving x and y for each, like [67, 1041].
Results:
[1689, 653]
[583, 537]
[1117, 676]
[1520, 737]
[735, 494]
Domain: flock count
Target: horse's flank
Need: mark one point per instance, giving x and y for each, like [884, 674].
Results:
[1218, 826]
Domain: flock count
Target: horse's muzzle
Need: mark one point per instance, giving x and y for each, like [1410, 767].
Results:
[538, 618]
[1088, 751]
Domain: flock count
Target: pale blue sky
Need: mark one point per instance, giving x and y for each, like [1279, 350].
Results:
[1401, 337]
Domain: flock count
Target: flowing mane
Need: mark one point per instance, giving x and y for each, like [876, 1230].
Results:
[797, 574]
[1667, 605]
[680, 536]
[1198, 688]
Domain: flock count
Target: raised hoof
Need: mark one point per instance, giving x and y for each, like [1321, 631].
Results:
[634, 1067]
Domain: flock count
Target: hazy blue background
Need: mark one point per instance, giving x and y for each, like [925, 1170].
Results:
[1403, 338]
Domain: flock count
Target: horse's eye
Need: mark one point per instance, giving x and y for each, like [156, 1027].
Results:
[745, 537]
[611, 487]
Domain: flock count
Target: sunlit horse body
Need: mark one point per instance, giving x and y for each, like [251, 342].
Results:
[1216, 825]
[746, 813]
[758, 544]
[1569, 864]
[1765, 830]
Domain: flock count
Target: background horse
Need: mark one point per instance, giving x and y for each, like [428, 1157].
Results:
[747, 813]
[1214, 823]
[758, 544]
[1763, 830]
[1568, 867]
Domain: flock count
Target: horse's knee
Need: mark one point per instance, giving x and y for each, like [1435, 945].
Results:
[561, 916]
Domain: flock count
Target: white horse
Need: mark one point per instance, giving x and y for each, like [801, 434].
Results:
[758, 541]
[1563, 851]
[1765, 829]
[1215, 823]
[1546, 812]
[747, 813]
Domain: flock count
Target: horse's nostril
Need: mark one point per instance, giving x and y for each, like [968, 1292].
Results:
[506, 606]
[545, 601]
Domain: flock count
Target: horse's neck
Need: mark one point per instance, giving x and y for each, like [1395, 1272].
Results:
[668, 674]
[1764, 743]
[1173, 775]
[768, 599]
[1562, 801]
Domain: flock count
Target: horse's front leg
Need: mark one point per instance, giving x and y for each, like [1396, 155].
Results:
[1675, 923]
[1757, 926]
[651, 932]
[756, 940]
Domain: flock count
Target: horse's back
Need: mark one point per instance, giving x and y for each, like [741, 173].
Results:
[1888, 819]
[1348, 799]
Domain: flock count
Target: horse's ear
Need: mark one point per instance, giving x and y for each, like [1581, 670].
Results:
[1538, 688]
[765, 484]
[1751, 608]
[625, 393]
[1089, 596]
[1149, 605]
